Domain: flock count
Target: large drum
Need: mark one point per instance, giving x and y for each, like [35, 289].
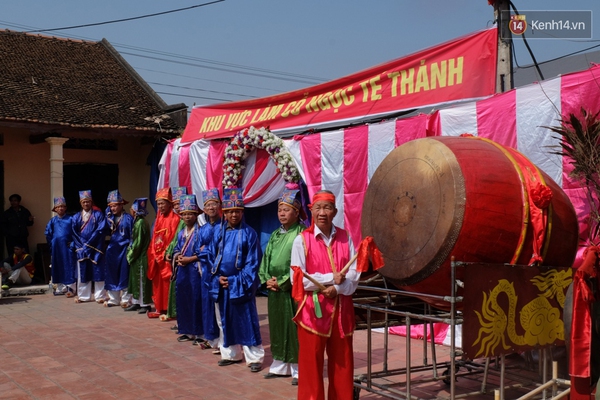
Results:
[434, 198]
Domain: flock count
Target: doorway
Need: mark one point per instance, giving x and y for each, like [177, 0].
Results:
[2, 246]
[99, 178]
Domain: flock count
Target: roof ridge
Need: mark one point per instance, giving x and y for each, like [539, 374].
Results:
[10, 31]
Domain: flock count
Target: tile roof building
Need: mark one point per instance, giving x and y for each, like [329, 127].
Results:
[74, 115]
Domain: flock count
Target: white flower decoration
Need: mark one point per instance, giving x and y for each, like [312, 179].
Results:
[251, 138]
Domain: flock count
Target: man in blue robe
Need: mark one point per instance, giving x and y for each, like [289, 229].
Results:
[89, 229]
[212, 221]
[120, 224]
[188, 285]
[235, 257]
[58, 236]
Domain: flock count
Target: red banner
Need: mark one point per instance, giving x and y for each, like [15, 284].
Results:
[463, 68]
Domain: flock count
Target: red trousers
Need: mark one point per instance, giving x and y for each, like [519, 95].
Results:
[340, 366]
[160, 292]
[581, 389]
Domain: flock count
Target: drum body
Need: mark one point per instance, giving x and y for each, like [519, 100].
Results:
[434, 198]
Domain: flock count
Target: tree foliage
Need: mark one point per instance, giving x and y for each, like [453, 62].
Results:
[580, 143]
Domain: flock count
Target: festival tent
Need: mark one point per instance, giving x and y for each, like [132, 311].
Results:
[344, 160]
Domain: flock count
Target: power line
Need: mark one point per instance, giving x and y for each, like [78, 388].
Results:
[535, 63]
[200, 90]
[204, 79]
[125, 19]
[219, 69]
[221, 63]
[260, 72]
[304, 79]
[193, 97]
[561, 57]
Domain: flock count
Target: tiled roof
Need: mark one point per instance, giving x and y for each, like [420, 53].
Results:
[76, 83]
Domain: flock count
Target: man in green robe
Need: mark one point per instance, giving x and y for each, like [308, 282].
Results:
[140, 286]
[274, 273]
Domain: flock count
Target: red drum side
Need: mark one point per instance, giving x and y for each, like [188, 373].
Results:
[435, 198]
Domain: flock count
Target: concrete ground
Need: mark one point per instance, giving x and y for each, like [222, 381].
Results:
[52, 348]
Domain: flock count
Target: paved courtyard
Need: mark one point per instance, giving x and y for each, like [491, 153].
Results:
[52, 348]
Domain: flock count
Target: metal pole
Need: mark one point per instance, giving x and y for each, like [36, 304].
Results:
[388, 301]
[502, 366]
[545, 370]
[554, 377]
[408, 360]
[369, 347]
[452, 327]
[485, 375]
[425, 342]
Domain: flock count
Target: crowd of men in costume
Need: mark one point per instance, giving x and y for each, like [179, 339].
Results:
[202, 266]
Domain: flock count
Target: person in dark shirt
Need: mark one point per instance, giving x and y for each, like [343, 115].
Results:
[15, 221]
[17, 269]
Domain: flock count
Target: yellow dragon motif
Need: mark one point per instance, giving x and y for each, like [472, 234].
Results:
[539, 319]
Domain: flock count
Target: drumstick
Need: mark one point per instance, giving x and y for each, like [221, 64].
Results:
[313, 280]
[345, 269]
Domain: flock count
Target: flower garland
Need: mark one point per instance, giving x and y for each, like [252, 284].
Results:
[250, 138]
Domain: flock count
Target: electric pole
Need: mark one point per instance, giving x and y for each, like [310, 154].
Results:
[504, 73]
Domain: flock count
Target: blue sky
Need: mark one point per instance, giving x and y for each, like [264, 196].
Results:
[240, 49]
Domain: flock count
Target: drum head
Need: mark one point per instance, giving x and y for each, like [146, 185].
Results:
[413, 208]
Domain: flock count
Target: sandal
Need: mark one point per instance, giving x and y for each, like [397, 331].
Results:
[78, 300]
[184, 338]
[100, 301]
[203, 344]
[69, 294]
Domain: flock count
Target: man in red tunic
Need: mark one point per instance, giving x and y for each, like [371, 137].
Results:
[17, 269]
[325, 318]
[159, 269]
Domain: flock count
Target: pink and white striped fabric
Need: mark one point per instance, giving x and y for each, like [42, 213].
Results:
[199, 166]
[344, 161]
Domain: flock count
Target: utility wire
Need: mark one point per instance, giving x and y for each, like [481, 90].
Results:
[305, 79]
[537, 67]
[536, 64]
[219, 69]
[200, 90]
[221, 63]
[193, 97]
[125, 19]
[207, 80]
[561, 57]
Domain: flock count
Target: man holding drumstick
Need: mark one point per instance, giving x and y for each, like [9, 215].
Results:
[325, 316]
